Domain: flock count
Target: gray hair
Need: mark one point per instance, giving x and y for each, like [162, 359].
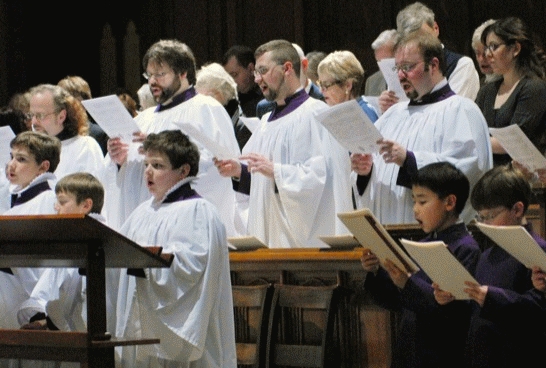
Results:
[413, 16]
[213, 76]
[389, 35]
[477, 35]
[343, 65]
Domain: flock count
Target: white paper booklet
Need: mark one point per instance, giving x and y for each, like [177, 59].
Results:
[340, 242]
[440, 265]
[245, 243]
[519, 146]
[391, 77]
[351, 127]
[6, 136]
[217, 150]
[516, 241]
[112, 117]
[371, 234]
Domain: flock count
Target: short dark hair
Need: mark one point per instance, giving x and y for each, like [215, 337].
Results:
[429, 46]
[177, 146]
[443, 178]
[503, 186]
[41, 146]
[281, 52]
[82, 185]
[177, 55]
[243, 54]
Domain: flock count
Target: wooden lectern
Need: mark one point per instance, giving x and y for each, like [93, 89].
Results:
[71, 241]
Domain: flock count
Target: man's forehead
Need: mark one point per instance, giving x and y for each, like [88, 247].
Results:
[409, 51]
[264, 59]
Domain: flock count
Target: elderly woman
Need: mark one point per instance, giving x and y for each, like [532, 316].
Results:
[518, 96]
[214, 81]
[340, 78]
[479, 51]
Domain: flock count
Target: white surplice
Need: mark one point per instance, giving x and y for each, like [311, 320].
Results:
[80, 153]
[126, 187]
[189, 305]
[311, 180]
[452, 130]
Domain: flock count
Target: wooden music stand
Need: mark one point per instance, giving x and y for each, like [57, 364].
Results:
[71, 241]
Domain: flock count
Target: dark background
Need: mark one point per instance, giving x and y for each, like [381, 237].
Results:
[42, 42]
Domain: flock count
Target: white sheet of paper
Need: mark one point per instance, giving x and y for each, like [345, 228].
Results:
[251, 123]
[6, 135]
[440, 265]
[112, 117]
[516, 241]
[350, 125]
[391, 77]
[519, 146]
[218, 151]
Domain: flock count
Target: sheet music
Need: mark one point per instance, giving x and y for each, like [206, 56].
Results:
[218, 151]
[6, 135]
[391, 77]
[247, 242]
[350, 125]
[251, 123]
[518, 242]
[371, 234]
[440, 265]
[112, 117]
[519, 146]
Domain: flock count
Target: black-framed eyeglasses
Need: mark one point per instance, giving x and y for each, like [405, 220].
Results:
[492, 47]
[325, 85]
[406, 68]
[38, 116]
[157, 76]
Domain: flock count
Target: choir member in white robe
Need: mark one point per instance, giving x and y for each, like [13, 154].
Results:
[179, 106]
[35, 156]
[435, 125]
[189, 305]
[296, 174]
[58, 114]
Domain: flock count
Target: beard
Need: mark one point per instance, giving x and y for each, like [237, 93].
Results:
[273, 94]
[168, 92]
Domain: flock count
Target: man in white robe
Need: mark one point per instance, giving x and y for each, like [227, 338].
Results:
[435, 125]
[179, 105]
[188, 306]
[296, 174]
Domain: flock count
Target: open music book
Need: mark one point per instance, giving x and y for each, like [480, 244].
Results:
[440, 265]
[518, 242]
[519, 146]
[371, 234]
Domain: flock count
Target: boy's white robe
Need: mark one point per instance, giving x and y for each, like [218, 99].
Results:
[189, 305]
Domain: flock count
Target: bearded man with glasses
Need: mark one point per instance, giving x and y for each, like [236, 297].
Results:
[434, 125]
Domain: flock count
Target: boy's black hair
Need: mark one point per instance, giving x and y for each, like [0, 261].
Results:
[443, 178]
[177, 146]
[501, 186]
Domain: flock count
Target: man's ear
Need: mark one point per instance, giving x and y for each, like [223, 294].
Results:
[304, 64]
[44, 166]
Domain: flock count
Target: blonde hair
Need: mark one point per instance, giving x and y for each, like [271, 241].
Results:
[343, 66]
